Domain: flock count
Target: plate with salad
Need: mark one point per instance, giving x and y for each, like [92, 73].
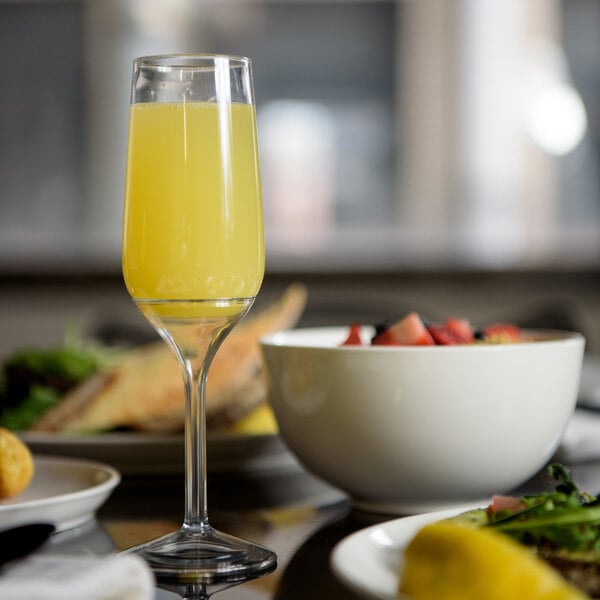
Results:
[37, 381]
[554, 536]
[124, 405]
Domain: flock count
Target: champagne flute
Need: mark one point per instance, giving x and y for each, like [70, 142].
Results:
[193, 261]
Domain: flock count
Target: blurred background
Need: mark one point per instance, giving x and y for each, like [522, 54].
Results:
[432, 154]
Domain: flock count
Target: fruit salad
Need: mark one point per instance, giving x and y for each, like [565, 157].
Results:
[412, 330]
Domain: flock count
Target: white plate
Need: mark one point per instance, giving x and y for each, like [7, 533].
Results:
[149, 454]
[63, 491]
[369, 560]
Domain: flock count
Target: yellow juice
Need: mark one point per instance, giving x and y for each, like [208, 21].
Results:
[193, 227]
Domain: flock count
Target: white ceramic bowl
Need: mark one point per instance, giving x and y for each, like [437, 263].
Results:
[408, 429]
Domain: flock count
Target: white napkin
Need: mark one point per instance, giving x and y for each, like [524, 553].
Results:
[56, 577]
[581, 440]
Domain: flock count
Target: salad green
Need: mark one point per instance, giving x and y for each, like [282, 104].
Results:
[34, 380]
[564, 519]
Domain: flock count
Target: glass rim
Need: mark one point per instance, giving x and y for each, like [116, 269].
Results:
[187, 60]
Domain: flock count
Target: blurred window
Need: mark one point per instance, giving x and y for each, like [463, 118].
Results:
[41, 119]
[393, 133]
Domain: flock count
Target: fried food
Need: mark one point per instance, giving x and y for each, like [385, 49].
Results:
[145, 390]
[16, 465]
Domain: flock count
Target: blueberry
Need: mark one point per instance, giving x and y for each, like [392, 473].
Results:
[383, 326]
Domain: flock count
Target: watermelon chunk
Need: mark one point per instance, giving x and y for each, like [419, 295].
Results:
[504, 333]
[409, 331]
[461, 328]
[443, 336]
[353, 338]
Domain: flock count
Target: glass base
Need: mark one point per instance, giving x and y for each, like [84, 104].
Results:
[206, 556]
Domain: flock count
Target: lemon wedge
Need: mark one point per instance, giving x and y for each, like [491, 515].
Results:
[261, 420]
[446, 561]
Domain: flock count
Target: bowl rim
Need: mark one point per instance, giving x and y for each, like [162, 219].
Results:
[291, 338]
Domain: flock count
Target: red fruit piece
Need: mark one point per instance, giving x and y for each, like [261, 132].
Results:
[461, 328]
[409, 331]
[505, 503]
[502, 333]
[444, 336]
[353, 338]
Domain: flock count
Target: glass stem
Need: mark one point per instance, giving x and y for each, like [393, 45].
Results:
[195, 341]
[196, 513]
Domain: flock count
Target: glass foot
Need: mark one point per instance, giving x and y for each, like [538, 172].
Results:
[204, 555]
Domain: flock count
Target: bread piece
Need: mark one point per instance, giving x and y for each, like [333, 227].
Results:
[580, 569]
[145, 390]
[16, 465]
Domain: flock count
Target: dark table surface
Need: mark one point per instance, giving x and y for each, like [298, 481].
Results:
[285, 509]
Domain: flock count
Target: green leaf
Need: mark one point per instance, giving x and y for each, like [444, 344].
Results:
[39, 400]
[565, 518]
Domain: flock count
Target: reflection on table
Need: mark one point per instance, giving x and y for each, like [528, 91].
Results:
[298, 516]
[281, 508]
